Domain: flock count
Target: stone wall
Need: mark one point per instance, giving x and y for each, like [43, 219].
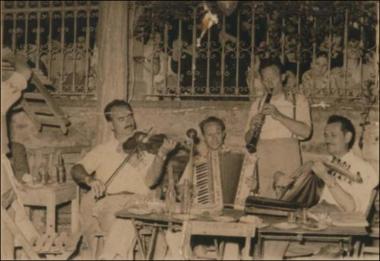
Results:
[175, 117]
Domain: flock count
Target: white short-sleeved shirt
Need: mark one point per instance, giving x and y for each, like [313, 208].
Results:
[105, 158]
[273, 129]
[361, 192]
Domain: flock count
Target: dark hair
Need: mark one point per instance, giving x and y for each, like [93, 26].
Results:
[354, 35]
[322, 54]
[265, 63]
[115, 103]
[209, 120]
[346, 126]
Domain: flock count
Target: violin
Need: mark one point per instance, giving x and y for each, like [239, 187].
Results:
[141, 141]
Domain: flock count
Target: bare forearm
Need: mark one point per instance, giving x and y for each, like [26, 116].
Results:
[154, 171]
[297, 127]
[344, 199]
[80, 175]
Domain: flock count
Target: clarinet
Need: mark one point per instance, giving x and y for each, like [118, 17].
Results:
[251, 145]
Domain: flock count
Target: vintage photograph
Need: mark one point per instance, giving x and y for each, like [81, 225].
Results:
[190, 130]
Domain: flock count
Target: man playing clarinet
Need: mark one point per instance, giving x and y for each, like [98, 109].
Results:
[287, 120]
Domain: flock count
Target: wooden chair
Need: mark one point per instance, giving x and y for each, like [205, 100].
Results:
[36, 247]
[363, 250]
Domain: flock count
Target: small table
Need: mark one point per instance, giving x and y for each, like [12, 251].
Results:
[202, 226]
[50, 196]
[154, 220]
[330, 234]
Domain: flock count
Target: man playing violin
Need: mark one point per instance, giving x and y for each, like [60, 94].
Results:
[339, 135]
[116, 178]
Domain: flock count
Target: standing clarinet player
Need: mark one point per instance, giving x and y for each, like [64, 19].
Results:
[276, 123]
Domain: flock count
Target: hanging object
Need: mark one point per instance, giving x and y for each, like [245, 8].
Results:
[208, 20]
[227, 7]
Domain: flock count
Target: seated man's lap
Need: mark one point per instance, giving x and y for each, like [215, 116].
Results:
[101, 213]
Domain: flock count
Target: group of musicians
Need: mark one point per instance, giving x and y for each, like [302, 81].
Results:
[287, 121]
[283, 119]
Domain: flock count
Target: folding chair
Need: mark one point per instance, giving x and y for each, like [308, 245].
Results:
[36, 247]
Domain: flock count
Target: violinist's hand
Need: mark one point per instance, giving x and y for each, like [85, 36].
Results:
[166, 147]
[97, 187]
[321, 171]
[270, 109]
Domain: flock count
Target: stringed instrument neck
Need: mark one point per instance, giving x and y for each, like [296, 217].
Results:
[336, 167]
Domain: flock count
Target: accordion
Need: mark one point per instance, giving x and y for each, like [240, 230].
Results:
[215, 180]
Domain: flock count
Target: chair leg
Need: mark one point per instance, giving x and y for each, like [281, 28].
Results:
[221, 250]
[356, 249]
[99, 244]
[15, 230]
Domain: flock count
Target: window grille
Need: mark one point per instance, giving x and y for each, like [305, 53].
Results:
[58, 37]
[297, 33]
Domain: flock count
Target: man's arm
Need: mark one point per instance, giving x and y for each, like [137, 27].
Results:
[155, 170]
[343, 198]
[299, 128]
[82, 177]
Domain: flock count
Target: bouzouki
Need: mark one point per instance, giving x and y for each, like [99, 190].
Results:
[305, 183]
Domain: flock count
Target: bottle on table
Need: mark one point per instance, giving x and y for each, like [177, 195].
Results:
[61, 172]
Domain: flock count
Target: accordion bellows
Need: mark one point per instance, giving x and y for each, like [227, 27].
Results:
[215, 181]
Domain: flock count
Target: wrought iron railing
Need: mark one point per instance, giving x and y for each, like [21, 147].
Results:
[298, 33]
[58, 37]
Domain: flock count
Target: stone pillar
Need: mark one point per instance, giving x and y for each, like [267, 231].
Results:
[111, 41]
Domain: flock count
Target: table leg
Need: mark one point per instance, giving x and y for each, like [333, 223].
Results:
[51, 216]
[75, 215]
[152, 243]
[221, 250]
[260, 246]
[186, 242]
[139, 240]
[246, 248]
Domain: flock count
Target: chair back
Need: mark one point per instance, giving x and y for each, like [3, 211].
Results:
[371, 206]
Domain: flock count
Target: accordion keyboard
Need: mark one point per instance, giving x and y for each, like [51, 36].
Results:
[203, 184]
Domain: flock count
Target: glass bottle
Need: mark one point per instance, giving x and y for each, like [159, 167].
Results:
[61, 173]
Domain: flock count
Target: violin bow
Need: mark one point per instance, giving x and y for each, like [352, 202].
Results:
[122, 164]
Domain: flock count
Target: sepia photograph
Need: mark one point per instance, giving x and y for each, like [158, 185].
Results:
[190, 130]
